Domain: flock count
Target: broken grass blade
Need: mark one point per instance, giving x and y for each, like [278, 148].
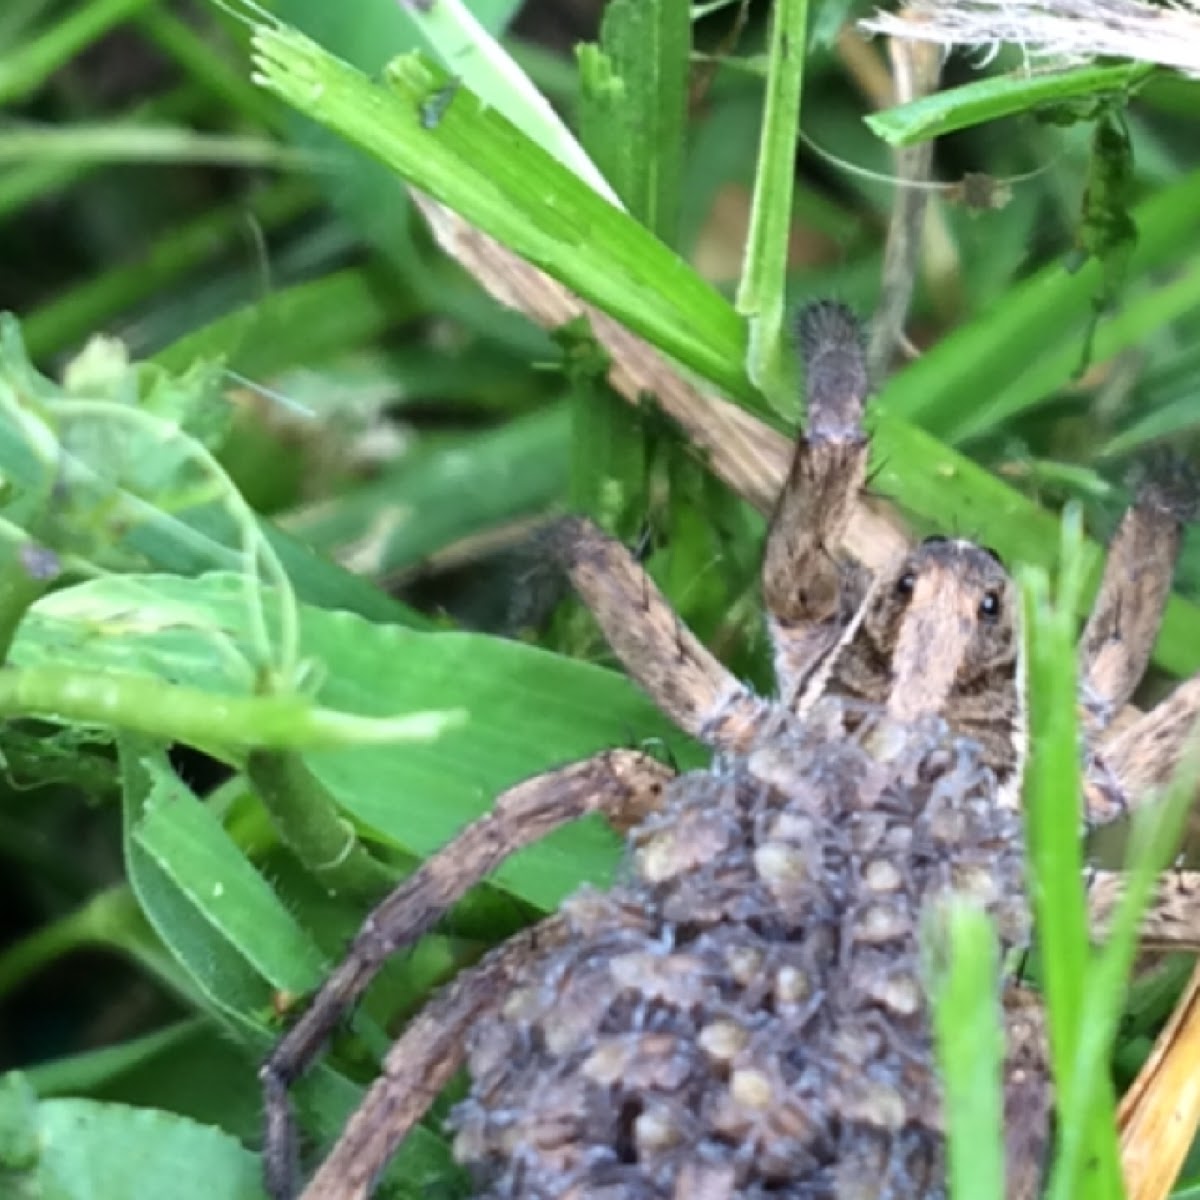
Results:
[477, 163]
[473, 55]
[1159, 1114]
[201, 718]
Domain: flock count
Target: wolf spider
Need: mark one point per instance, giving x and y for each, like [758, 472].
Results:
[744, 1015]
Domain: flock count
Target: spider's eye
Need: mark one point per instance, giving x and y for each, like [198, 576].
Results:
[994, 555]
[989, 606]
[905, 584]
[935, 539]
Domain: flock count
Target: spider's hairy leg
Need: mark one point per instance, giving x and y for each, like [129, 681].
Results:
[805, 578]
[1172, 918]
[623, 785]
[1134, 764]
[419, 1064]
[673, 667]
[1115, 647]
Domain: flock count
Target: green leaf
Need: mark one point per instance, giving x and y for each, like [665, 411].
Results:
[113, 468]
[188, 844]
[207, 939]
[418, 796]
[87, 1150]
[18, 1124]
[224, 977]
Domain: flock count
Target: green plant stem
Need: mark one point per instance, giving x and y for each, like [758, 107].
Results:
[310, 825]
[98, 922]
[196, 717]
[30, 954]
[991, 99]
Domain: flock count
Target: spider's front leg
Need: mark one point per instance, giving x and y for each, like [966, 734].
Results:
[810, 590]
[622, 785]
[675, 669]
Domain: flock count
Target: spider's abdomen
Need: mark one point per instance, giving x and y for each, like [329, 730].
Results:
[746, 1015]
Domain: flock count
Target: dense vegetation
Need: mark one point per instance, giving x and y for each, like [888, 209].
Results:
[274, 619]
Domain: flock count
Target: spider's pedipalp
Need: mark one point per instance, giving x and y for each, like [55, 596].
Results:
[809, 588]
[674, 668]
[623, 785]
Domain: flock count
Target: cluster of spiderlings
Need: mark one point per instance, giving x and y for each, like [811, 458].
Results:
[745, 1015]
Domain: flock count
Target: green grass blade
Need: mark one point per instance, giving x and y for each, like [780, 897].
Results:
[1053, 803]
[1141, 315]
[142, 143]
[70, 318]
[1156, 836]
[970, 1050]
[25, 68]
[632, 120]
[641, 128]
[761, 291]
[1035, 317]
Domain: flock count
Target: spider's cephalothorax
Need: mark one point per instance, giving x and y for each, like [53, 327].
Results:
[746, 1014]
[937, 635]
